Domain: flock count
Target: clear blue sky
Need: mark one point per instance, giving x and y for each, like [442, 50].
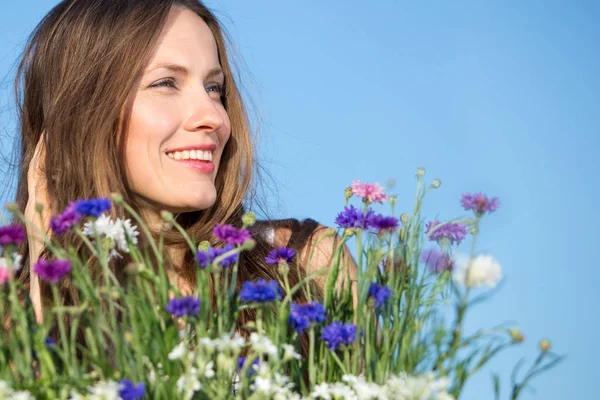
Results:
[494, 97]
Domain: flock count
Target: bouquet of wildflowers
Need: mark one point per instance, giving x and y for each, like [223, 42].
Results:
[392, 331]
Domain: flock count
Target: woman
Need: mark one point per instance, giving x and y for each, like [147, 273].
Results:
[138, 97]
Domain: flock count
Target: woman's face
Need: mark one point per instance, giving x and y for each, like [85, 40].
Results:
[178, 125]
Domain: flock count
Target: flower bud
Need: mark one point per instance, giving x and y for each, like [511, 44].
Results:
[128, 337]
[249, 218]
[348, 193]
[404, 218]
[420, 172]
[203, 245]
[329, 232]
[283, 268]
[12, 207]
[545, 345]
[166, 216]
[39, 207]
[392, 200]
[248, 244]
[436, 183]
[117, 198]
[517, 335]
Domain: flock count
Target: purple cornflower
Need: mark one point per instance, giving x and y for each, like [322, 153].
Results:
[230, 234]
[65, 221]
[380, 224]
[479, 203]
[129, 391]
[207, 257]
[280, 254]
[454, 232]
[187, 305]
[436, 261]
[11, 234]
[302, 315]
[337, 334]
[52, 271]
[380, 293]
[260, 291]
[353, 218]
[92, 207]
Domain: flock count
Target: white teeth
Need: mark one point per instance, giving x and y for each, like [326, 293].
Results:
[191, 155]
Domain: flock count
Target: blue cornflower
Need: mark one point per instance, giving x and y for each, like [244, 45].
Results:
[337, 334]
[453, 232]
[260, 291]
[230, 234]
[353, 218]
[380, 224]
[129, 391]
[479, 203]
[240, 364]
[92, 207]
[302, 315]
[49, 342]
[205, 258]
[187, 305]
[280, 254]
[380, 293]
[436, 261]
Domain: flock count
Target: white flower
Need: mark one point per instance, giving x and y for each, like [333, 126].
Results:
[209, 370]
[108, 390]
[262, 385]
[321, 391]
[178, 351]
[22, 395]
[117, 231]
[483, 270]
[289, 353]
[424, 387]
[189, 383]
[17, 258]
[263, 345]
[7, 393]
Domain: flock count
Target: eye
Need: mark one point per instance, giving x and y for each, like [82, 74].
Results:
[168, 82]
[217, 88]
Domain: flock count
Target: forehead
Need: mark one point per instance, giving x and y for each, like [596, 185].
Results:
[186, 39]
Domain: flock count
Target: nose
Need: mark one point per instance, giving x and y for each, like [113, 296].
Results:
[205, 115]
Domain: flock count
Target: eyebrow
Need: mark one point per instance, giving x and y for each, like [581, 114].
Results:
[184, 70]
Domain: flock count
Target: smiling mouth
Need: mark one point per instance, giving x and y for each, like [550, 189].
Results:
[191, 155]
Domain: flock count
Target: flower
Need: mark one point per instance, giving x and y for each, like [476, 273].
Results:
[303, 315]
[479, 203]
[281, 254]
[205, 258]
[380, 224]
[380, 293]
[92, 207]
[337, 334]
[11, 234]
[65, 221]
[230, 234]
[118, 231]
[187, 305]
[177, 352]
[353, 218]
[260, 291]
[189, 383]
[16, 265]
[453, 232]
[436, 260]
[129, 391]
[4, 275]
[52, 271]
[251, 370]
[482, 270]
[369, 192]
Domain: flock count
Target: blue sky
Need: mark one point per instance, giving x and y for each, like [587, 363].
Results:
[488, 96]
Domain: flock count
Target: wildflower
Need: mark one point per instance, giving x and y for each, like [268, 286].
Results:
[251, 370]
[130, 391]
[104, 390]
[182, 306]
[92, 207]
[380, 293]
[118, 231]
[11, 234]
[337, 334]
[5, 271]
[281, 254]
[436, 261]
[303, 315]
[353, 218]
[479, 203]
[545, 345]
[205, 258]
[178, 351]
[65, 221]
[369, 192]
[482, 270]
[289, 353]
[230, 234]
[380, 224]
[188, 383]
[517, 335]
[52, 271]
[418, 387]
[450, 231]
[260, 291]
[4, 275]
[262, 344]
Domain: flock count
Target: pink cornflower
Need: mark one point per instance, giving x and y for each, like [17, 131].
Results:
[370, 192]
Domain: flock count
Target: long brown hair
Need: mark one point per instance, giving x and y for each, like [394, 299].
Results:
[76, 73]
